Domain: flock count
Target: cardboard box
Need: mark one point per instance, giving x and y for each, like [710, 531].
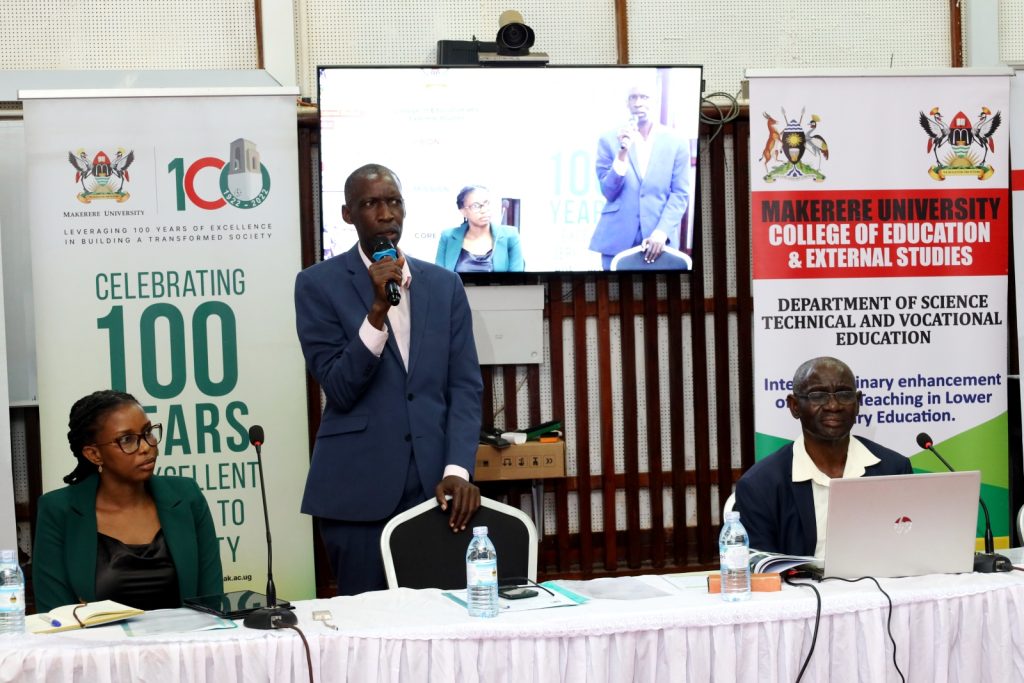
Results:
[531, 460]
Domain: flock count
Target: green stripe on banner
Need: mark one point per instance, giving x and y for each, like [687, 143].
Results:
[983, 448]
[766, 444]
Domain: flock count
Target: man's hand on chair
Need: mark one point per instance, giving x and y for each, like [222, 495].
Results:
[465, 500]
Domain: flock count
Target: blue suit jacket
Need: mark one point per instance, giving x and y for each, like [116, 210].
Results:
[377, 415]
[64, 557]
[655, 202]
[506, 255]
[778, 513]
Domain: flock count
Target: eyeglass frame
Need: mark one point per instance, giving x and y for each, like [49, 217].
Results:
[477, 206]
[854, 395]
[144, 436]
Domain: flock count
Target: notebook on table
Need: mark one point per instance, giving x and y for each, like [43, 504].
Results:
[902, 525]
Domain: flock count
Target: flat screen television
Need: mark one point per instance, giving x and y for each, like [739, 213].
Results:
[540, 145]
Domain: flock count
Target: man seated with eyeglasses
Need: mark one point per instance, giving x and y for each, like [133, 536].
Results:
[117, 532]
[783, 499]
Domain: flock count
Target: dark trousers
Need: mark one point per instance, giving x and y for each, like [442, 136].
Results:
[353, 548]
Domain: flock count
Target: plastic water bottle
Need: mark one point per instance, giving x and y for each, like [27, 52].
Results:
[12, 594]
[734, 553]
[481, 575]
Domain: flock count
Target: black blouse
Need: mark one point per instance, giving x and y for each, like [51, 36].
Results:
[141, 576]
[475, 263]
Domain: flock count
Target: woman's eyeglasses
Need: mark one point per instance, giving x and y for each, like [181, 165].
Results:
[477, 206]
[129, 443]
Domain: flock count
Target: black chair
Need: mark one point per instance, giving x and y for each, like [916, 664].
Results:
[421, 551]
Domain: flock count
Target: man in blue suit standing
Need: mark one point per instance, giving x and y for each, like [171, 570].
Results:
[644, 172]
[403, 386]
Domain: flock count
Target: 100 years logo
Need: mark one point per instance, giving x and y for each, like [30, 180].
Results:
[244, 180]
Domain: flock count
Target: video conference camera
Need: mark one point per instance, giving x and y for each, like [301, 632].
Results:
[511, 47]
[514, 37]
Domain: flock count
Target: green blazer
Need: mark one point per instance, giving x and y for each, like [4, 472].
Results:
[64, 556]
[506, 254]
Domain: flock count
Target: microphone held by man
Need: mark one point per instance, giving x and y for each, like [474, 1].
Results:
[383, 248]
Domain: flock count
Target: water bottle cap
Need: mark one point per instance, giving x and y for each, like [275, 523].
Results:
[732, 516]
[8, 556]
[479, 531]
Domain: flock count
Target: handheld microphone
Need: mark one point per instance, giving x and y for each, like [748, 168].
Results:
[383, 248]
[989, 561]
[271, 616]
[632, 126]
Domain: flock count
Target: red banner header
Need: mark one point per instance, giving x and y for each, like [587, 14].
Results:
[880, 233]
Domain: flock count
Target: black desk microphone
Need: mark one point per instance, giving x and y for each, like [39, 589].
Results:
[989, 561]
[271, 616]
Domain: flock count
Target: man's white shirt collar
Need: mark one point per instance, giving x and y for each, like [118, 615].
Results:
[858, 459]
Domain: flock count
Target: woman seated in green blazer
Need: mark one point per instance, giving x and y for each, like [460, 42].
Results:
[479, 246]
[116, 531]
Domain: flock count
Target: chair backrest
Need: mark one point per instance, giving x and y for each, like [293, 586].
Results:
[633, 259]
[730, 503]
[1020, 525]
[421, 551]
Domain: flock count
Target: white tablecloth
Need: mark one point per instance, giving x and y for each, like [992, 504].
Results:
[947, 628]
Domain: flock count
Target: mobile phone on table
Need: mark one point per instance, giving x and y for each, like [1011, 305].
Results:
[516, 592]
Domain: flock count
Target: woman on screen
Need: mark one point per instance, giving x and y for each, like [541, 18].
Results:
[478, 245]
[117, 531]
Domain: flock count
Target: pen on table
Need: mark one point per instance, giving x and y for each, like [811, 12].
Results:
[49, 620]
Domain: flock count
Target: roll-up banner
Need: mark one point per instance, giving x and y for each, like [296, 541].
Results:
[1017, 187]
[165, 243]
[880, 208]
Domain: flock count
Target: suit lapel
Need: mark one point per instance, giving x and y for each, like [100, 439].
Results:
[358, 277]
[419, 302]
[82, 538]
[634, 164]
[804, 498]
[175, 520]
[499, 251]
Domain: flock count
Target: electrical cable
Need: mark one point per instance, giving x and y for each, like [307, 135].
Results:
[888, 625]
[572, 291]
[817, 620]
[725, 117]
[305, 644]
[501, 408]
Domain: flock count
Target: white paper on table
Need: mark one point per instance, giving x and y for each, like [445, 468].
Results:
[180, 620]
[617, 588]
[543, 600]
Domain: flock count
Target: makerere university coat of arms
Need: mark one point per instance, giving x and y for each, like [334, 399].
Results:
[957, 140]
[102, 178]
[791, 142]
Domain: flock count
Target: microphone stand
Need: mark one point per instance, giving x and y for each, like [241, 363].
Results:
[990, 561]
[271, 616]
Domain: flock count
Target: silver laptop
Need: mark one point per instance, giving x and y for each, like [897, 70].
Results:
[903, 525]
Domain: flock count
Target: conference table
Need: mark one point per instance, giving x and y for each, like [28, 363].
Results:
[967, 627]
